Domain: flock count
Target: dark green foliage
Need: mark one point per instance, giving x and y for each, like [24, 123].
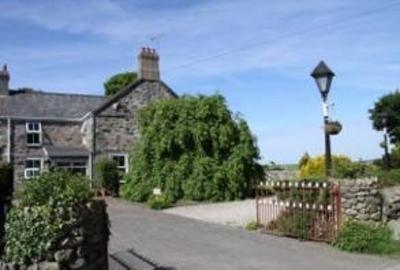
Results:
[386, 114]
[6, 182]
[363, 238]
[31, 232]
[192, 148]
[106, 175]
[118, 82]
[56, 189]
[159, 202]
[33, 227]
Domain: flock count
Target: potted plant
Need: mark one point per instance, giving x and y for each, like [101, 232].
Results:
[333, 127]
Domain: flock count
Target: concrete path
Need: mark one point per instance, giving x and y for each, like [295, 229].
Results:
[237, 213]
[185, 243]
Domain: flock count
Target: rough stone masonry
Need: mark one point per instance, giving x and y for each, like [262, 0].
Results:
[85, 246]
[363, 200]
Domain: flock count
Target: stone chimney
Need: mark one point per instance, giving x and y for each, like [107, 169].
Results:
[148, 65]
[4, 80]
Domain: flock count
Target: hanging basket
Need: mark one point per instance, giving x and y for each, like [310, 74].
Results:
[333, 127]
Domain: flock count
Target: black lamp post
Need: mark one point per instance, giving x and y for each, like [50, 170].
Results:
[386, 157]
[323, 77]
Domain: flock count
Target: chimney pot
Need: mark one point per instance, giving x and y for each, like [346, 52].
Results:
[4, 81]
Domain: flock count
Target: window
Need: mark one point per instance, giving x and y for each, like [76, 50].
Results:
[122, 162]
[33, 167]
[78, 167]
[33, 133]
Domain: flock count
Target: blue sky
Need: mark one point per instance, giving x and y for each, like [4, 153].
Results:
[258, 54]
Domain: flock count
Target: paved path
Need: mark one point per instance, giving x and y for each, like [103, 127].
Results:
[185, 243]
[237, 213]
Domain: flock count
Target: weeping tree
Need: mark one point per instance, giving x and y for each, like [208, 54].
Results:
[193, 148]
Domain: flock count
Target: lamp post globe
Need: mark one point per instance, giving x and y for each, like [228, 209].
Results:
[323, 77]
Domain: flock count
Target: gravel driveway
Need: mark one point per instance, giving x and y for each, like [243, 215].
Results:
[237, 213]
[185, 243]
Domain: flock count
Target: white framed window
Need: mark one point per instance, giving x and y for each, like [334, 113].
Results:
[74, 166]
[33, 133]
[122, 162]
[33, 166]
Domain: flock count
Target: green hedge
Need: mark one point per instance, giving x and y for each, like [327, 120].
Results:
[33, 227]
[106, 175]
[56, 189]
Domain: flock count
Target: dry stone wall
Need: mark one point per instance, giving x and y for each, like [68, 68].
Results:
[361, 199]
[85, 246]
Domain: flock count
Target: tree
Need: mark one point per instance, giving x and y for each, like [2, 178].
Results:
[386, 114]
[192, 148]
[119, 82]
[304, 160]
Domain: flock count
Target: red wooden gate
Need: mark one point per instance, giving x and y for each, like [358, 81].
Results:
[303, 209]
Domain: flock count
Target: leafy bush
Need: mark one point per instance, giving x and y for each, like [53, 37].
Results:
[106, 175]
[6, 181]
[118, 82]
[56, 189]
[363, 238]
[31, 232]
[252, 226]
[33, 227]
[193, 148]
[342, 167]
[387, 178]
[159, 202]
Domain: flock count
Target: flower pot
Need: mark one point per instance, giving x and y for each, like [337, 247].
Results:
[333, 128]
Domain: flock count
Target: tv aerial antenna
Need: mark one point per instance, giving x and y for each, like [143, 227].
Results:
[155, 41]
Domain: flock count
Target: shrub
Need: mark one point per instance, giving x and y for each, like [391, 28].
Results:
[363, 238]
[33, 227]
[159, 202]
[106, 175]
[31, 232]
[193, 148]
[342, 167]
[6, 182]
[387, 178]
[293, 222]
[252, 226]
[56, 189]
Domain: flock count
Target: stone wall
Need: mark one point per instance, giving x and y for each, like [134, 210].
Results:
[279, 175]
[116, 126]
[391, 209]
[85, 246]
[361, 199]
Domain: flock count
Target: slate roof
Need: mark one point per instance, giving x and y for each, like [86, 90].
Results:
[38, 104]
[54, 151]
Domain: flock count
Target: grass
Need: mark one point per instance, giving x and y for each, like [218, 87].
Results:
[252, 226]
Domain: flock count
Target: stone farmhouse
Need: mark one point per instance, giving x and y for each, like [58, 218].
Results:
[40, 129]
